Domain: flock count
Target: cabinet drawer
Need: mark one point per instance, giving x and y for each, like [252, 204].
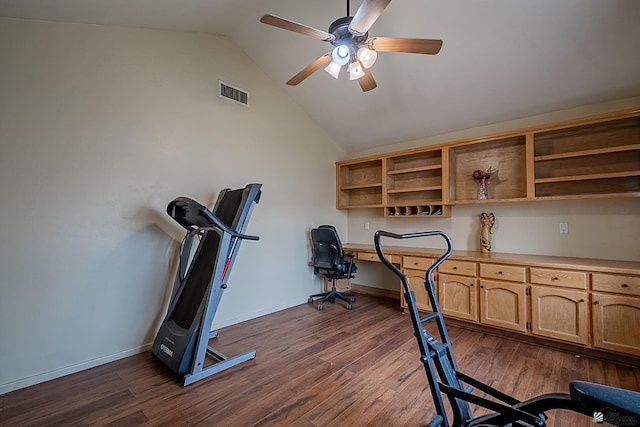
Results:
[562, 278]
[503, 272]
[416, 263]
[464, 268]
[613, 283]
[368, 256]
[372, 256]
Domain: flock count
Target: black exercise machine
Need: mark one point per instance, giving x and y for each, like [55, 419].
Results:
[182, 342]
[604, 403]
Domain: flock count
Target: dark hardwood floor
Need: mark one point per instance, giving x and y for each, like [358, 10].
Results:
[313, 368]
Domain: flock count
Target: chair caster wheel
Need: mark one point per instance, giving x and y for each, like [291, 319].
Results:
[353, 299]
[320, 307]
[349, 306]
[310, 300]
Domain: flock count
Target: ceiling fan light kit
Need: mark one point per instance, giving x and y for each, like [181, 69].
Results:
[367, 56]
[340, 55]
[352, 45]
[355, 70]
[333, 69]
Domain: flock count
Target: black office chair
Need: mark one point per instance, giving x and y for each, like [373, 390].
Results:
[331, 262]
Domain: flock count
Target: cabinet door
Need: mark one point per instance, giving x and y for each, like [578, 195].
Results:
[615, 323]
[458, 296]
[416, 282]
[560, 313]
[504, 305]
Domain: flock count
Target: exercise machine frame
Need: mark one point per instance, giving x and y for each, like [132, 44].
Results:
[613, 405]
[183, 345]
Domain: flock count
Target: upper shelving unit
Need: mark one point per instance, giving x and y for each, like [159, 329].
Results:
[414, 184]
[360, 184]
[590, 158]
[600, 159]
[507, 156]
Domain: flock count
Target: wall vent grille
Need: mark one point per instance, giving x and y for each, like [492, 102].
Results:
[233, 93]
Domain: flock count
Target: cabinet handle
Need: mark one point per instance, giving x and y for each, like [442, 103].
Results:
[596, 302]
[580, 300]
[499, 272]
[554, 278]
[415, 263]
[624, 285]
[455, 267]
[471, 284]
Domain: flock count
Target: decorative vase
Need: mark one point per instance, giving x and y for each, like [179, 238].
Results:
[483, 189]
[482, 177]
[486, 220]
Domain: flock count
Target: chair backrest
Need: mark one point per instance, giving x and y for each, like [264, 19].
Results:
[328, 255]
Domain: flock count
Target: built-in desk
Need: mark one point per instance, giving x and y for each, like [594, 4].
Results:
[592, 304]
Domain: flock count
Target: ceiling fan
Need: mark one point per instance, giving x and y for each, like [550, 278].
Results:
[352, 46]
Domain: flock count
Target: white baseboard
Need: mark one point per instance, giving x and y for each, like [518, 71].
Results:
[57, 373]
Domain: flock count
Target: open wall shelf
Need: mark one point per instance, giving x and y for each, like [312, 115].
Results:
[597, 157]
[360, 184]
[418, 211]
[507, 156]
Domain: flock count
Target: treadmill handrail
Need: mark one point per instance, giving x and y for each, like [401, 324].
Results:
[220, 225]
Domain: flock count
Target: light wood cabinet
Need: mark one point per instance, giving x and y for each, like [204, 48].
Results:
[615, 322]
[616, 312]
[458, 296]
[512, 273]
[560, 313]
[596, 157]
[506, 155]
[414, 184]
[416, 280]
[503, 300]
[570, 302]
[359, 184]
[503, 305]
[415, 268]
[462, 268]
[616, 283]
[367, 256]
[564, 278]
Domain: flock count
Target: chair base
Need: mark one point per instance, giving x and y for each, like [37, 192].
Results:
[332, 295]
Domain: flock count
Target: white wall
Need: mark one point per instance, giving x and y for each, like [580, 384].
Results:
[607, 228]
[100, 128]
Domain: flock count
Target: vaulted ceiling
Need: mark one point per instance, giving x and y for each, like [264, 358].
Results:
[501, 59]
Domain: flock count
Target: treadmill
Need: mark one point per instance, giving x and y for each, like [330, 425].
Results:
[182, 342]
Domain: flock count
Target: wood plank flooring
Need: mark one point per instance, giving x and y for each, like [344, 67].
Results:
[313, 368]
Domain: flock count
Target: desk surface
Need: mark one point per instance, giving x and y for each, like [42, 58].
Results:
[589, 264]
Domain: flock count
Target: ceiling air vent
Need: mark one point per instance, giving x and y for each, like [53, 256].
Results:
[233, 93]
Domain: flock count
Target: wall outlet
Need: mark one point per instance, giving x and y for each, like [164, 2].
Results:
[366, 225]
[564, 228]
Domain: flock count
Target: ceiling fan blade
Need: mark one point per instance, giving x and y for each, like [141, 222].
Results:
[396, 44]
[367, 82]
[323, 61]
[366, 15]
[285, 24]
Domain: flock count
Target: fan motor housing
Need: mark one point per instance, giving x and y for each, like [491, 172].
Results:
[340, 30]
